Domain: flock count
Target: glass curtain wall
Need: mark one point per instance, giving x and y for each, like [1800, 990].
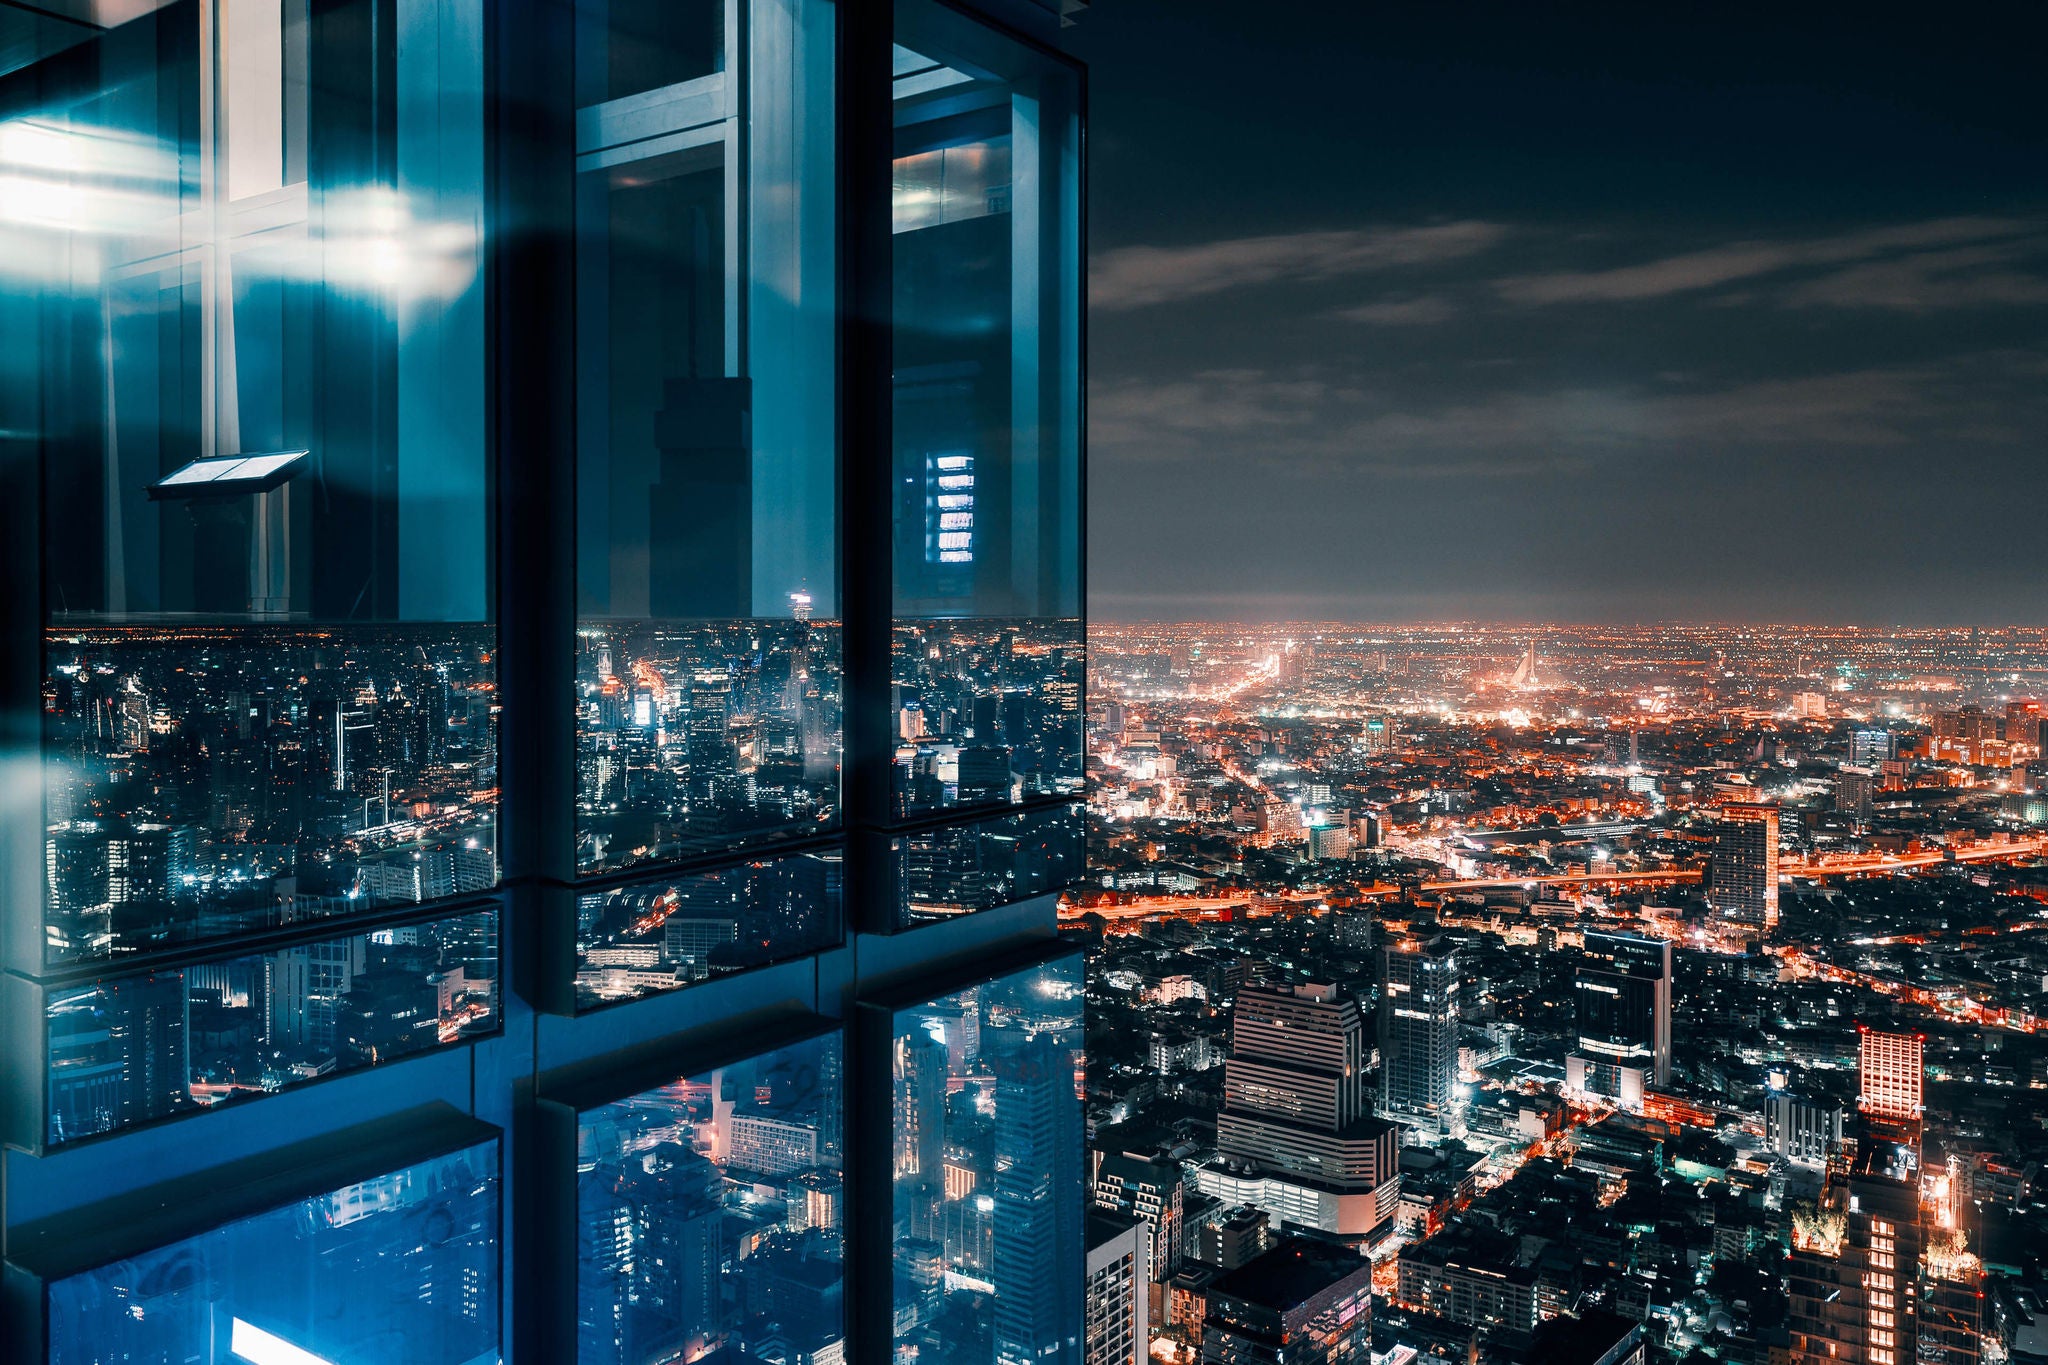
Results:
[709, 1215]
[987, 1168]
[708, 645]
[239, 256]
[396, 1270]
[987, 650]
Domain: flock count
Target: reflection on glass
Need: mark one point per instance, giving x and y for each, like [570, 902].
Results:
[702, 737]
[399, 1270]
[709, 1216]
[666, 933]
[987, 712]
[207, 780]
[988, 1245]
[986, 408]
[132, 1049]
[959, 869]
[247, 349]
[706, 453]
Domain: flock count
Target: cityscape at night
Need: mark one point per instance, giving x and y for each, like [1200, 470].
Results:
[1022, 682]
[1676, 980]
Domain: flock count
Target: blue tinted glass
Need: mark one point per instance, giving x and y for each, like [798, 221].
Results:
[131, 1049]
[987, 563]
[988, 1240]
[399, 1270]
[708, 696]
[267, 697]
[664, 933]
[709, 1216]
[960, 869]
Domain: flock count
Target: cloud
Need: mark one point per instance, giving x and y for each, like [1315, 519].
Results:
[1426, 310]
[1141, 276]
[1897, 254]
[1313, 424]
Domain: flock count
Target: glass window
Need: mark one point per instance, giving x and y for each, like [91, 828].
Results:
[709, 1215]
[987, 1162]
[664, 933]
[241, 305]
[400, 1270]
[128, 1050]
[708, 693]
[986, 416]
[959, 869]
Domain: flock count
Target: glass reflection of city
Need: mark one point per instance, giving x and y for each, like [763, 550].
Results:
[132, 1049]
[988, 712]
[987, 1152]
[708, 1215]
[694, 737]
[402, 1267]
[667, 932]
[205, 781]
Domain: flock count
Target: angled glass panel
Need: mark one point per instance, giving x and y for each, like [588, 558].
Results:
[133, 1049]
[987, 401]
[665, 933]
[708, 695]
[709, 1215]
[960, 869]
[240, 290]
[399, 1270]
[988, 1244]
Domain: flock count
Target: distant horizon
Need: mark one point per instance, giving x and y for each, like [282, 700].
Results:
[1561, 623]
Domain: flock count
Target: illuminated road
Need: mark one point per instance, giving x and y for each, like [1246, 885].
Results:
[1859, 866]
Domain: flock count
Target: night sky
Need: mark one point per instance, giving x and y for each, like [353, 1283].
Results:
[1576, 313]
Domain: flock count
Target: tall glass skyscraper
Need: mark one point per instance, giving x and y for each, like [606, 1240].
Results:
[542, 686]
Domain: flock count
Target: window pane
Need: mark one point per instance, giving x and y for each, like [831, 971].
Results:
[709, 1215]
[254, 342]
[707, 462]
[987, 413]
[960, 869]
[988, 1246]
[664, 933]
[400, 1270]
[132, 1049]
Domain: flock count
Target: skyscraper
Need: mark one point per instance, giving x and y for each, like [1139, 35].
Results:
[1891, 1080]
[1418, 1032]
[385, 604]
[1743, 886]
[1296, 1120]
[1623, 989]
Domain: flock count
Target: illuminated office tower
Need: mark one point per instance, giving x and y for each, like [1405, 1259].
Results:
[1623, 990]
[1743, 882]
[1891, 1081]
[1418, 1033]
[1297, 1136]
[1854, 1273]
[1870, 747]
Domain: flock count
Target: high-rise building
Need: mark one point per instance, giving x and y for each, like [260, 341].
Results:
[393, 607]
[1418, 1033]
[1296, 1135]
[1743, 885]
[1152, 1191]
[1891, 1081]
[1802, 1131]
[1118, 1292]
[1303, 1302]
[1623, 991]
